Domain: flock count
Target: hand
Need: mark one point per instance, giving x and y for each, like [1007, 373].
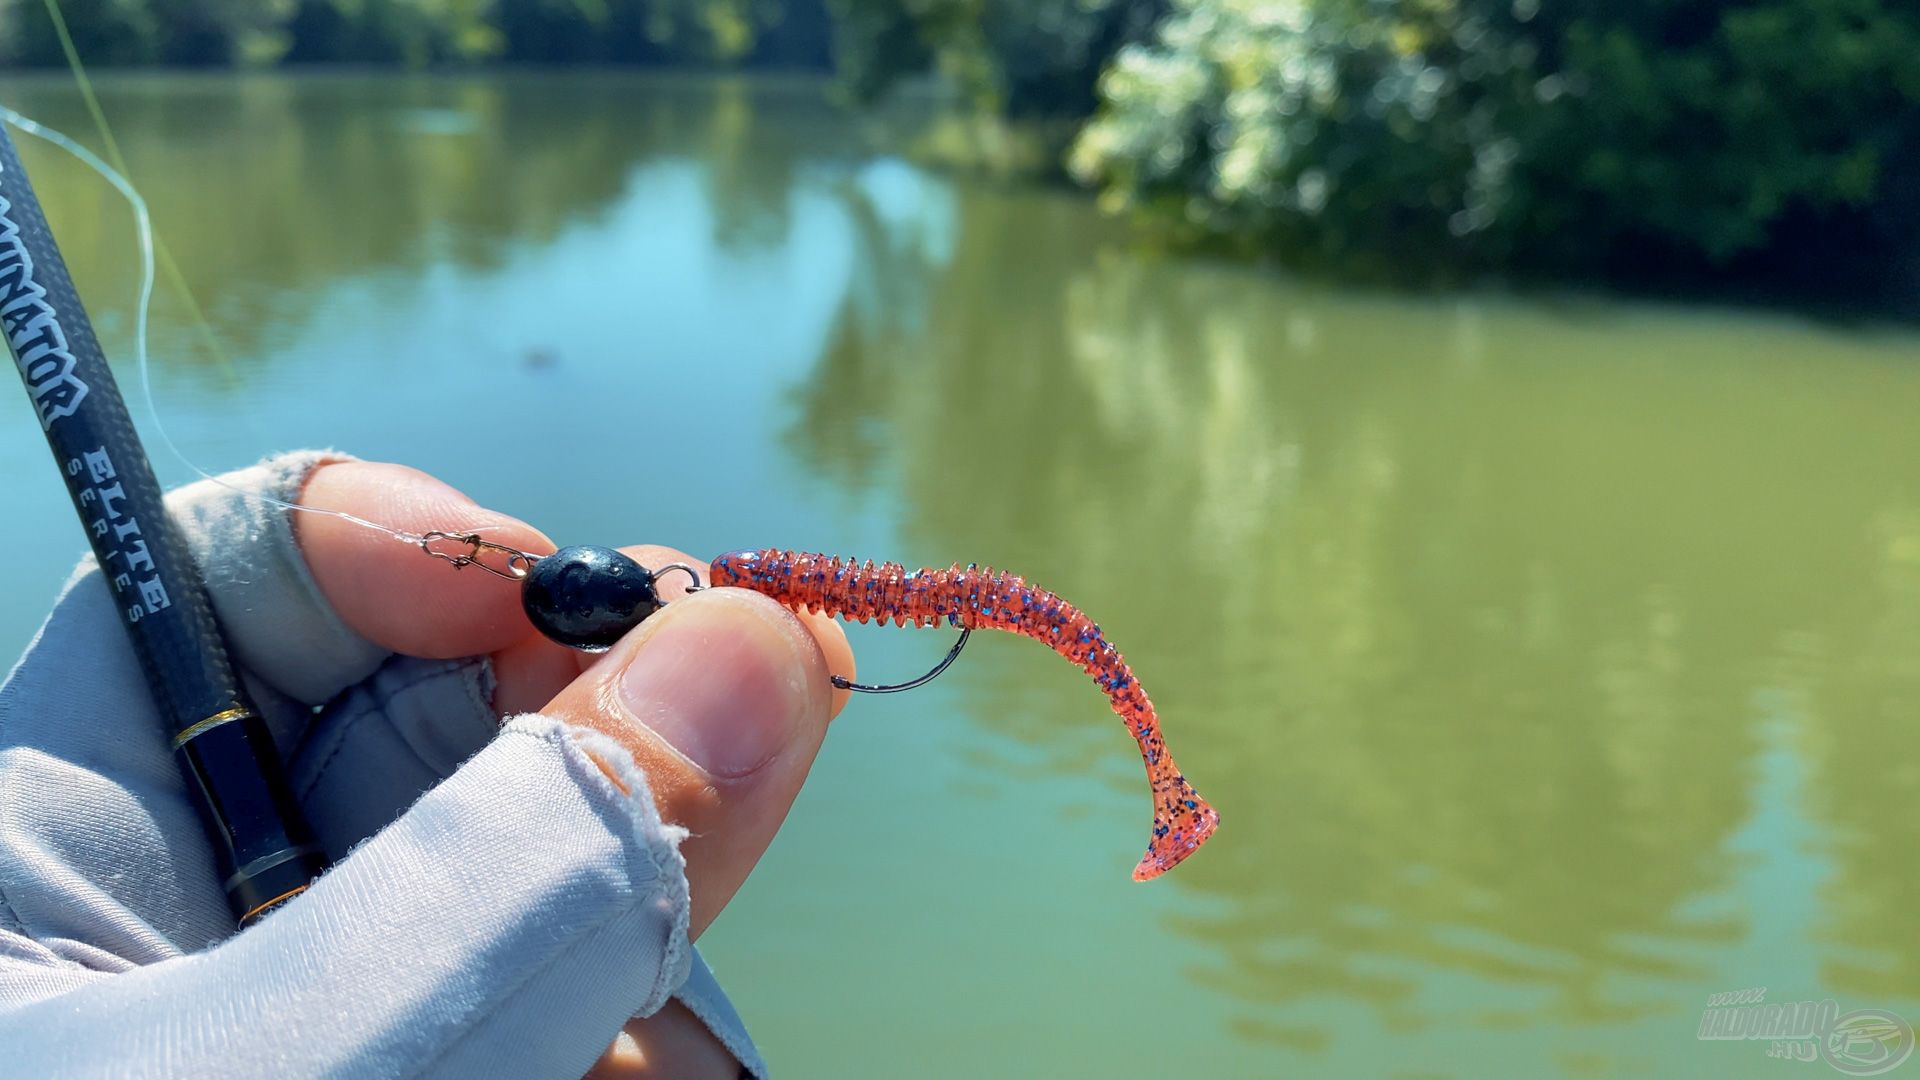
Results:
[380, 672]
[721, 697]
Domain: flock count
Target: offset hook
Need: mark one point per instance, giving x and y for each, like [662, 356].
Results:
[846, 684]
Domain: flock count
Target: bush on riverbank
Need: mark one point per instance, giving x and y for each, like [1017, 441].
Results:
[1573, 136]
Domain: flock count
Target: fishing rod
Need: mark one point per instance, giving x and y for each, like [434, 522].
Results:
[263, 849]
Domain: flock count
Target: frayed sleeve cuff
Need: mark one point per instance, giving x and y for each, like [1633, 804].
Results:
[508, 924]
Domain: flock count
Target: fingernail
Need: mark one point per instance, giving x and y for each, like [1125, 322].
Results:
[720, 678]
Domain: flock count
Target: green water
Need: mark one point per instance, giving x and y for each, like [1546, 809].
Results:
[1554, 664]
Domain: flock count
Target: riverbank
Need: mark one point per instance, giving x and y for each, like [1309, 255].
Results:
[927, 120]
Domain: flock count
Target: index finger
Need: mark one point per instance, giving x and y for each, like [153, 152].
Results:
[385, 589]
[388, 593]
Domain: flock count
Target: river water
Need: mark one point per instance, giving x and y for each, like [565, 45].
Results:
[1554, 663]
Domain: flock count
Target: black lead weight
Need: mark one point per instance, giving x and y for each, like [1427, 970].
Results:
[586, 597]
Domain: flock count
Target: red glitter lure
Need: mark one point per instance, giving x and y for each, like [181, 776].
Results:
[978, 598]
[587, 597]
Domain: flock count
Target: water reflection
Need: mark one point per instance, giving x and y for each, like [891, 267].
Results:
[1865, 680]
[1552, 664]
[267, 189]
[1463, 612]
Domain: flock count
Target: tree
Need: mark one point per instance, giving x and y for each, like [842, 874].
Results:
[408, 32]
[1013, 58]
[1585, 135]
[109, 31]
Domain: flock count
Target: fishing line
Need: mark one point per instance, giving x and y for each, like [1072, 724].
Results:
[92, 101]
[262, 848]
[460, 549]
[115, 175]
[143, 227]
[143, 308]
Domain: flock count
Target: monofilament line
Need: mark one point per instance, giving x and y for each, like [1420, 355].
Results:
[143, 225]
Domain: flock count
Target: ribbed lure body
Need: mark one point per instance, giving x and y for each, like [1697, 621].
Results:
[980, 598]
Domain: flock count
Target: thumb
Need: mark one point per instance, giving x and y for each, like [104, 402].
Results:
[722, 698]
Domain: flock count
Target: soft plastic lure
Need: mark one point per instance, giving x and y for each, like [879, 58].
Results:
[982, 598]
[587, 597]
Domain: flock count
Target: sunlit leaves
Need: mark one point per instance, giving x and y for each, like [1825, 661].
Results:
[1410, 137]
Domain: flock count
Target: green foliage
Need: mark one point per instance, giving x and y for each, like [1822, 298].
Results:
[1016, 58]
[407, 32]
[418, 32]
[218, 33]
[1582, 135]
[113, 31]
[181, 32]
[721, 29]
